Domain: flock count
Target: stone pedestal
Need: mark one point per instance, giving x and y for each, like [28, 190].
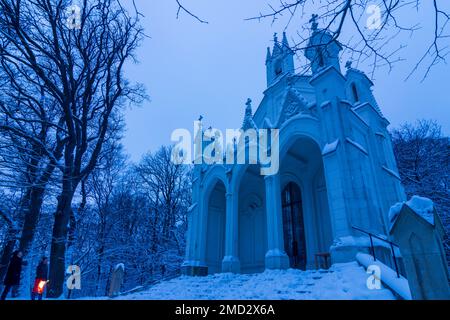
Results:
[116, 280]
[189, 270]
[231, 264]
[276, 259]
[419, 233]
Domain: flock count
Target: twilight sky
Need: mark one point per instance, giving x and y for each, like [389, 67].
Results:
[189, 68]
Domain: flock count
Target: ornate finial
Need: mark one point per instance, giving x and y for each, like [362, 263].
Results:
[249, 103]
[200, 118]
[348, 64]
[275, 37]
[248, 118]
[268, 56]
[285, 41]
[313, 21]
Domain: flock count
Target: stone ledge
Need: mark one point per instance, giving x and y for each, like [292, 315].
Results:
[194, 271]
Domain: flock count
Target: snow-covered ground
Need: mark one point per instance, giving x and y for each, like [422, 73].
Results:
[342, 281]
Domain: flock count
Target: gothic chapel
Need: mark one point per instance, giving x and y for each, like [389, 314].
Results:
[337, 172]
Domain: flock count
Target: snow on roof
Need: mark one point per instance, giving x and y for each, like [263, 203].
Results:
[421, 206]
[357, 145]
[119, 266]
[326, 102]
[424, 207]
[394, 211]
[330, 147]
[391, 172]
[192, 207]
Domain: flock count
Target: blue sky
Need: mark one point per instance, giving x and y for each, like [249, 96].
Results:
[189, 68]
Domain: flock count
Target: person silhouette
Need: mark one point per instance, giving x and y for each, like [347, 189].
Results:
[12, 277]
[295, 253]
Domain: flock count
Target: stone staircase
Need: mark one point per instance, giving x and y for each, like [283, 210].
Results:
[342, 282]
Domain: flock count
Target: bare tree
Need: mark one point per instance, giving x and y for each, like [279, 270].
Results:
[101, 186]
[374, 26]
[167, 188]
[123, 222]
[79, 60]
[423, 157]
[11, 231]
[30, 145]
[166, 183]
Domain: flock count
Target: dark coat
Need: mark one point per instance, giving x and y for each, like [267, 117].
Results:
[12, 277]
[42, 271]
[295, 248]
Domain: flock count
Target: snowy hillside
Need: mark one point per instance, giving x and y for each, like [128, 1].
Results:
[342, 281]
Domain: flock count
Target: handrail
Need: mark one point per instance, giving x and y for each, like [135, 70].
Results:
[375, 236]
[391, 244]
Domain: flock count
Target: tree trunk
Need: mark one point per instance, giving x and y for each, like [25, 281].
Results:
[31, 216]
[100, 253]
[59, 239]
[12, 234]
[31, 219]
[72, 229]
[99, 269]
[7, 251]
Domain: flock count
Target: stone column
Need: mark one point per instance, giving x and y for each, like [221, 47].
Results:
[231, 262]
[192, 265]
[190, 240]
[276, 257]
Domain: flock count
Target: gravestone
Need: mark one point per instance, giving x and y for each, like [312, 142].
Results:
[116, 280]
[418, 230]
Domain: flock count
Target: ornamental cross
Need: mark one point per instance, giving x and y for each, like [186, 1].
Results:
[314, 21]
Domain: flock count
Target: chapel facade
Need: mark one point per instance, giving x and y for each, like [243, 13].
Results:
[337, 171]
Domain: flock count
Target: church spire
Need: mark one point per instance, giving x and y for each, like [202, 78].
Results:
[276, 46]
[285, 42]
[248, 122]
[323, 50]
[314, 23]
[281, 61]
[268, 56]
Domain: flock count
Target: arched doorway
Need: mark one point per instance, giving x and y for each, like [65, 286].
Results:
[293, 226]
[304, 198]
[215, 229]
[252, 221]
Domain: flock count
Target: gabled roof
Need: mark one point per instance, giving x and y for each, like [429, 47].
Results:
[431, 222]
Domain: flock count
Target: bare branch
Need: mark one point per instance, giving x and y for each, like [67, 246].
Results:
[369, 42]
[182, 8]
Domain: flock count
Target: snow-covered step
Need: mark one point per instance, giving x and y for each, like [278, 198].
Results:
[342, 281]
[388, 276]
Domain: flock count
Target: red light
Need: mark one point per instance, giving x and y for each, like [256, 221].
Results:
[41, 286]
